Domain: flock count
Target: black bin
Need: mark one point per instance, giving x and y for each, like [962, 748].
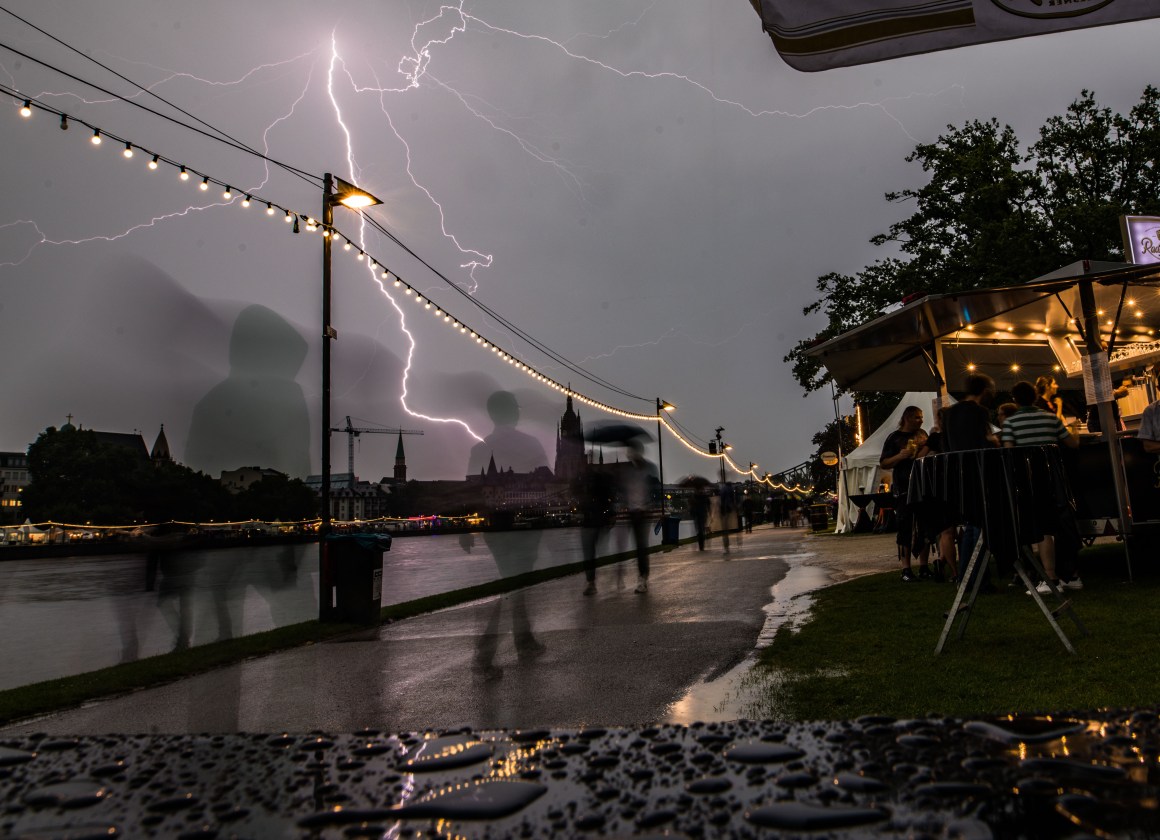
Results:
[819, 517]
[351, 580]
[670, 529]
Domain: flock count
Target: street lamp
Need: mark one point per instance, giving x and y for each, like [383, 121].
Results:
[334, 191]
[662, 405]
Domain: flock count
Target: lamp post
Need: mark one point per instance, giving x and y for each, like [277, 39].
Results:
[334, 191]
[662, 405]
[722, 447]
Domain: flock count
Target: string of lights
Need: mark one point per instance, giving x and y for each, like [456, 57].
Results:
[298, 173]
[300, 221]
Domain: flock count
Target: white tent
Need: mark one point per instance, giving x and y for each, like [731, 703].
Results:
[860, 473]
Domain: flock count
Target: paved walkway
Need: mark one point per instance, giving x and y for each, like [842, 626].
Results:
[543, 656]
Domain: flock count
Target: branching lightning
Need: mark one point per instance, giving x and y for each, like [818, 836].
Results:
[353, 170]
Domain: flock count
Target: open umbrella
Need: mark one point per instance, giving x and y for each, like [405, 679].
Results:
[696, 482]
[615, 433]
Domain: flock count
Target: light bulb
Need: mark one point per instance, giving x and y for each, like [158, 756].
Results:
[346, 246]
[153, 163]
[204, 185]
[64, 122]
[96, 138]
[360, 256]
[269, 209]
[128, 153]
[289, 217]
[183, 175]
[246, 201]
[228, 195]
[26, 108]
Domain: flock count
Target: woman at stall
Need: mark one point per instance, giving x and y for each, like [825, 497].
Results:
[1047, 395]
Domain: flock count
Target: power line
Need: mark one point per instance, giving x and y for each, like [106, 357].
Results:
[296, 172]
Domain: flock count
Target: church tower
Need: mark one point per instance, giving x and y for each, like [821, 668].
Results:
[160, 451]
[569, 444]
[400, 462]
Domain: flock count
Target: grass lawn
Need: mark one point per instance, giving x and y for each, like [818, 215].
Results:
[868, 648]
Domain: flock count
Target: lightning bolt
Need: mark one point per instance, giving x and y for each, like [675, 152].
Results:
[353, 170]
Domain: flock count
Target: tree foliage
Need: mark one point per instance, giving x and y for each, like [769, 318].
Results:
[993, 215]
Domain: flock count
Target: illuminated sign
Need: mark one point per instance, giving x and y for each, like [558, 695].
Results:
[1141, 239]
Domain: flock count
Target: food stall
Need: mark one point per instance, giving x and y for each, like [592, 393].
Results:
[1084, 323]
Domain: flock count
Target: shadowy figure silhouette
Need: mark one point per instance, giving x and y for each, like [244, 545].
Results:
[514, 552]
[258, 415]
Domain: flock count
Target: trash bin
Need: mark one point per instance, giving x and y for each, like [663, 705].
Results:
[670, 529]
[819, 517]
[351, 579]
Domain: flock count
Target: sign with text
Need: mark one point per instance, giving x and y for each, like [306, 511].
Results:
[824, 34]
[1141, 239]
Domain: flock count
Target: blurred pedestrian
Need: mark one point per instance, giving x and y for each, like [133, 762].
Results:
[699, 510]
[636, 492]
[596, 492]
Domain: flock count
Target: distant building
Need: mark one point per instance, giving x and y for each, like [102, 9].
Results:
[569, 444]
[13, 480]
[240, 479]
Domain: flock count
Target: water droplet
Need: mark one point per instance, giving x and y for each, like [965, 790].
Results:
[803, 817]
[74, 794]
[757, 752]
[486, 801]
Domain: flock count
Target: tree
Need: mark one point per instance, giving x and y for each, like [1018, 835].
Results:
[277, 497]
[73, 478]
[992, 216]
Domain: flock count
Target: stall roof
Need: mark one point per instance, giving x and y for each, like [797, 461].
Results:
[1009, 333]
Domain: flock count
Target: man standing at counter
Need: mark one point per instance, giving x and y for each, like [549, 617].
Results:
[1149, 433]
[968, 422]
[1030, 425]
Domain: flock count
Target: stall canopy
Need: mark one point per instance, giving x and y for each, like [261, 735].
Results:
[1008, 333]
[823, 34]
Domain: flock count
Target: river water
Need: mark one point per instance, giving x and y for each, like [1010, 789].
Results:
[70, 615]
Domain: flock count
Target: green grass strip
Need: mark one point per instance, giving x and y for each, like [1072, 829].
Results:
[69, 692]
[868, 648]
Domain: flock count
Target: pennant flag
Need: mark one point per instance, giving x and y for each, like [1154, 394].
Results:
[824, 34]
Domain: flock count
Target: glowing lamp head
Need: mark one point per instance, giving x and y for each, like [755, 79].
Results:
[26, 108]
[183, 175]
[128, 153]
[348, 195]
[204, 185]
[96, 138]
[153, 163]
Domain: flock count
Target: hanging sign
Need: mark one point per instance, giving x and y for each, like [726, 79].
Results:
[824, 34]
[1141, 239]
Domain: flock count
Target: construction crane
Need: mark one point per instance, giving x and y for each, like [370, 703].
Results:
[353, 431]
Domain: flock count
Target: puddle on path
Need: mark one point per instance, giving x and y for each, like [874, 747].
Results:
[745, 693]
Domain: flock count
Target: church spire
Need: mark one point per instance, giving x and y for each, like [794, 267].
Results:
[400, 462]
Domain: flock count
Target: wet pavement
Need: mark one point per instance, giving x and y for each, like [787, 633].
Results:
[543, 656]
[1072, 776]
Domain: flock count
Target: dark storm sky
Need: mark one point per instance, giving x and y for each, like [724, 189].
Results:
[645, 187]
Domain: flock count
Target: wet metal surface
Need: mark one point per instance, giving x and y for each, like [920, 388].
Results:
[1077, 776]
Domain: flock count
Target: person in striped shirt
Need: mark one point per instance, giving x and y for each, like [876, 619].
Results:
[1031, 426]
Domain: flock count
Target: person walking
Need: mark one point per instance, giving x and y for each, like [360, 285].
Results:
[637, 498]
[596, 492]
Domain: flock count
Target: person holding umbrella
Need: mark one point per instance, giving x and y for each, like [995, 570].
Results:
[636, 478]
